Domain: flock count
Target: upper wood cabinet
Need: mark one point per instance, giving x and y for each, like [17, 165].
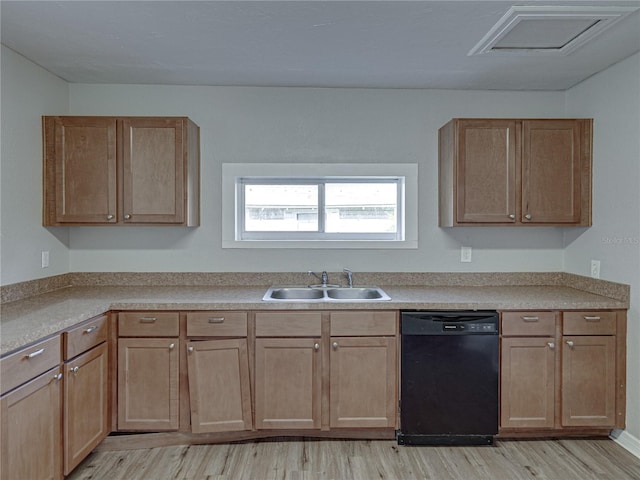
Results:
[121, 170]
[515, 172]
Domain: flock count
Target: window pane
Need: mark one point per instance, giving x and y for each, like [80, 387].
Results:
[280, 208]
[361, 207]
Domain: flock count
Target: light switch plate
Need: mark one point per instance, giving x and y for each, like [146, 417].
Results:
[465, 254]
[45, 258]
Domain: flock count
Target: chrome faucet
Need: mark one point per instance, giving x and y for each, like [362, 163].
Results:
[349, 274]
[324, 278]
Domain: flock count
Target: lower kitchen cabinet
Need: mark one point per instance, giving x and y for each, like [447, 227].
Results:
[288, 383]
[527, 398]
[148, 373]
[562, 371]
[363, 382]
[31, 419]
[86, 410]
[588, 381]
[219, 385]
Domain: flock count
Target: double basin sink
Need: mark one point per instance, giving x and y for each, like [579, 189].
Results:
[325, 294]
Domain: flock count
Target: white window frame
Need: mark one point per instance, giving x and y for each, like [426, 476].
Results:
[232, 211]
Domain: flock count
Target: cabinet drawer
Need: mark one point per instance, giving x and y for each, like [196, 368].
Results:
[84, 337]
[589, 323]
[363, 323]
[280, 324]
[529, 324]
[148, 324]
[217, 324]
[21, 366]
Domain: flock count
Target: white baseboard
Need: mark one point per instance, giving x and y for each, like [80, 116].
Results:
[626, 440]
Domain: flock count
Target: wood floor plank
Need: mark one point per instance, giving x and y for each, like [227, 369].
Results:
[309, 459]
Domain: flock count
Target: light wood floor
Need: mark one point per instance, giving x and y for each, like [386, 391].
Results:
[303, 459]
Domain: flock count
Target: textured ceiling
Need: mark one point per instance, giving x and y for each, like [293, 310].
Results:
[395, 44]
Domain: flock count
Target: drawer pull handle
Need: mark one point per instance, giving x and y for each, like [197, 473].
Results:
[530, 319]
[551, 345]
[591, 319]
[216, 319]
[34, 354]
[570, 343]
[190, 349]
[148, 319]
[92, 328]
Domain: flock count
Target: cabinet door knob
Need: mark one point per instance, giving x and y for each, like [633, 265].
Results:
[335, 345]
[57, 376]
[190, 349]
[109, 217]
[172, 346]
[512, 216]
[75, 369]
[316, 346]
[127, 217]
[552, 345]
[528, 216]
[570, 343]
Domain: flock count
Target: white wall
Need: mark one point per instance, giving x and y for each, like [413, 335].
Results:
[612, 98]
[241, 124]
[28, 92]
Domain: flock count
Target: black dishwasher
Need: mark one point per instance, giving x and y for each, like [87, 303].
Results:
[449, 377]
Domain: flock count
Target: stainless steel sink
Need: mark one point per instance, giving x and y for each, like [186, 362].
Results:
[294, 293]
[325, 294]
[357, 293]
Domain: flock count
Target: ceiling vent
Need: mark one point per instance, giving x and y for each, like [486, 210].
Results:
[548, 30]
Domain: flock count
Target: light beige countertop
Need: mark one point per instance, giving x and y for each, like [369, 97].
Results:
[30, 319]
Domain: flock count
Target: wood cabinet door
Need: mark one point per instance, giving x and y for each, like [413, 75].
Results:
[363, 386]
[288, 383]
[588, 381]
[219, 387]
[527, 376]
[551, 171]
[80, 160]
[148, 384]
[30, 421]
[153, 161]
[487, 175]
[86, 405]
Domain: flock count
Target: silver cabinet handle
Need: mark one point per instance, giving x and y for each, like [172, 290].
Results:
[528, 216]
[316, 346]
[34, 354]
[172, 346]
[190, 349]
[92, 328]
[57, 376]
[530, 319]
[512, 216]
[570, 343]
[148, 319]
[127, 217]
[74, 369]
[335, 345]
[551, 345]
[109, 217]
[591, 319]
[216, 319]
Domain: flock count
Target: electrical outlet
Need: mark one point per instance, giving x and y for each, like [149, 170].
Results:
[595, 268]
[465, 254]
[45, 258]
